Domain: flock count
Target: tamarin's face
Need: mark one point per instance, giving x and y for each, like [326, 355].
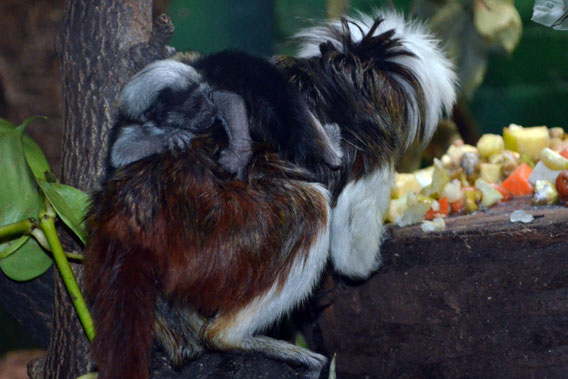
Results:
[192, 109]
[199, 110]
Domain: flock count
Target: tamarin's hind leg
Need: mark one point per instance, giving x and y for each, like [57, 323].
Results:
[223, 334]
[235, 329]
[176, 330]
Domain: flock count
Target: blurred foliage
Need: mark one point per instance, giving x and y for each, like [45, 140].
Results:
[512, 69]
[213, 25]
[471, 29]
[529, 87]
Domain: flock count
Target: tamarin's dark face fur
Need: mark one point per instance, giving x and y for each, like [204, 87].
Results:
[183, 251]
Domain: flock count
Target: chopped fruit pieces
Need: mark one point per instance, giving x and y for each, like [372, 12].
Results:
[518, 182]
[472, 195]
[452, 191]
[404, 183]
[490, 195]
[553, 160]
[526, 159]
[532, 160]
[544, 193]
[490, 144]
[435, 225]
[441, 209]
[439, 179]
[507, 195]
[542, 172]
[562, 185]
[526, 140]
[490, 172]
[457, 206]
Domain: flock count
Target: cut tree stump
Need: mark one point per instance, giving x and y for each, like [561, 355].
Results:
[483, 298]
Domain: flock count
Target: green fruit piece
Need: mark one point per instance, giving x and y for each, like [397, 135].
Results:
[489, 194]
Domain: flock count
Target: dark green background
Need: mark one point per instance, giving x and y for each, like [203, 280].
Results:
[529, 87]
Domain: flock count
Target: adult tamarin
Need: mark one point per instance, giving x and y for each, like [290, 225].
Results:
[181, 251]
[384, 82]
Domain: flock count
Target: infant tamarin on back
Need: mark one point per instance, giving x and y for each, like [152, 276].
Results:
[183, 251]
[170, 101]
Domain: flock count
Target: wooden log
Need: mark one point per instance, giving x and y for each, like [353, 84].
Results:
[483, 298]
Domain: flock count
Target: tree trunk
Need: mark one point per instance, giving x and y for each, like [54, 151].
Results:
[101, 44]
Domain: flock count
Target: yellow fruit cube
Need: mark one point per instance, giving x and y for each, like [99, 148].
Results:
[526, 140]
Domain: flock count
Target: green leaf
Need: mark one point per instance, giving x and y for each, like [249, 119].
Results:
[11, 246]
[6, 126]
[70, 204]
[28, 262]
[34, 156]
[19, 199]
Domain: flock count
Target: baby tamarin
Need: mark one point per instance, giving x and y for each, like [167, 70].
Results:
[182, 252]
[164, 105]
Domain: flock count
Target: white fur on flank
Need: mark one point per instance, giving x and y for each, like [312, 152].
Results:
[304, 274]
[357, 224]
[432, 69]
[141, 91]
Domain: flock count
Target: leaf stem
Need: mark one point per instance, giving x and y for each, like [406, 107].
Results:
[47, 225]
[42, 240]
[17, 228]
[75, 256]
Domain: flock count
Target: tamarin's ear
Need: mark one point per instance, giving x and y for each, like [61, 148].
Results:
[233, 114]
[330, 145]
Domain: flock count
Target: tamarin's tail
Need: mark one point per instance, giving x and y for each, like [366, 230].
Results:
[121, 287]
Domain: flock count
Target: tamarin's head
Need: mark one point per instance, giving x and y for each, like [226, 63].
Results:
[169, 93]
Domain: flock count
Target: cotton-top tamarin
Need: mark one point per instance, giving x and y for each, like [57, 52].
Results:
[183, 251]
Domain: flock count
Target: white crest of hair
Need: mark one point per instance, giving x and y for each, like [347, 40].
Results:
[434, 72]
[141, 91]
[357, 223]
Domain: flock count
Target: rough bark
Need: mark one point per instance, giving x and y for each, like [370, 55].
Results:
[483, 298]
[29, 80]
[29, 76]
[100, 46]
